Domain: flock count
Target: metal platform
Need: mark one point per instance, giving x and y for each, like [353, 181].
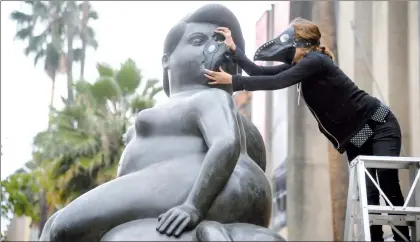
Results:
[359, 215]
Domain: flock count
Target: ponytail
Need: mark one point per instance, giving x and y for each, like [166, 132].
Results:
[324, 50]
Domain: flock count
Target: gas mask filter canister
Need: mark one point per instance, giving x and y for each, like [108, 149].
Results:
[217, 53]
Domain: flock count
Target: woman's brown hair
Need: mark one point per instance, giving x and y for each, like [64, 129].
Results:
[306, 30]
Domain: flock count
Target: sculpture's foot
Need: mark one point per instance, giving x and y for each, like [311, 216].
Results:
[145, 230]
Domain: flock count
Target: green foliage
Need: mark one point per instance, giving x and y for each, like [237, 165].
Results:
[18, 195]
[128, 77]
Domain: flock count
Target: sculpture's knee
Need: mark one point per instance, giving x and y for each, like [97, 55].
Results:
[57, 232]
[46, 231]
[212, 231]
[61, 231]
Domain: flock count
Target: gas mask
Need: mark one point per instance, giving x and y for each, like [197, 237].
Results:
[282, 48]
[217, 54]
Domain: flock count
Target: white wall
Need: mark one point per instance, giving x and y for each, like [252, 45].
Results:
[19, 229]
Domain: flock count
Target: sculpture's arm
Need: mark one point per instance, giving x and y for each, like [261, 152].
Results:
[218, 123]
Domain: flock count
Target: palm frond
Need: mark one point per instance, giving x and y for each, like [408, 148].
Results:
[93, 15]
[149, 84]
[40, 54]
[24, 33]
[140, 103]
[90, 37]
[105, 70]
[128, 77]
[154, 91]
[21, 17]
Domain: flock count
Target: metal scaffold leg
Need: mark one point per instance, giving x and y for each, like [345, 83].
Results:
[360, 216]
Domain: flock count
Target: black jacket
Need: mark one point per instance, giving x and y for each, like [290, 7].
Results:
[339, 106]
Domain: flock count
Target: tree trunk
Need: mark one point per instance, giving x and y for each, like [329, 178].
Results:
[44, 210]
[51, 99]
[69, 69]
[84, 38]
[43, 196]
[71, 9]
[51, 71]
[338, 167]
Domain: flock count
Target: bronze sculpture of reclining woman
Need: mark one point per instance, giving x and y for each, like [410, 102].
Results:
[192, 160]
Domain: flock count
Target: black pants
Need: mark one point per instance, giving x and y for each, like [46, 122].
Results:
[386, 141]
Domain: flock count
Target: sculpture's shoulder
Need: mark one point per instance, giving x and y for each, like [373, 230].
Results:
[213, 98]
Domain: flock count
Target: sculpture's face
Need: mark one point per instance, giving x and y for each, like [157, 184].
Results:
[186, 63]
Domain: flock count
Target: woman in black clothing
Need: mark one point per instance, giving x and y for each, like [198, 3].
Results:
[350, 118]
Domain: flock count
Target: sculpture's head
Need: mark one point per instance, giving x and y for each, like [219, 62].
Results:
[186, 44]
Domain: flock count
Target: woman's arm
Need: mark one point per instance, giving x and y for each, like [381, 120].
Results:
[218, 124]
[303, 70]
[253, 69]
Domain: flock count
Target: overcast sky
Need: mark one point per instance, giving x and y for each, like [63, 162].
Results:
[124, 30]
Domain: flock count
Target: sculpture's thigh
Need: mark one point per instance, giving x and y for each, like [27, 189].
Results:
[144, 194]
[214, 231]
[245, 199]
[143, 230]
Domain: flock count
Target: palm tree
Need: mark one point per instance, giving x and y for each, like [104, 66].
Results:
[61, 24]
[71, 19]
[56, 18]
[77, 27]
[47, 44]
[87, 34]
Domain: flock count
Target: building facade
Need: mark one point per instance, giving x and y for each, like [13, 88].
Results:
[20, 229]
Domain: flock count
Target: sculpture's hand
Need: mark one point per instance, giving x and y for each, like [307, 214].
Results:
[177, 219]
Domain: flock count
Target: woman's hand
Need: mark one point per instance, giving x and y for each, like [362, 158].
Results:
[228, 37]
[221, 77]
[177, 219]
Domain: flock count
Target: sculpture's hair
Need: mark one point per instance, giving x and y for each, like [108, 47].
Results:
[211, 13]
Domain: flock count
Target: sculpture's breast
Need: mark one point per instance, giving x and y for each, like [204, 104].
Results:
[163, 133]
[170, 119]
[144, 122]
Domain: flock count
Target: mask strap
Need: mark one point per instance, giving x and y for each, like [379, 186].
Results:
[305, 43]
